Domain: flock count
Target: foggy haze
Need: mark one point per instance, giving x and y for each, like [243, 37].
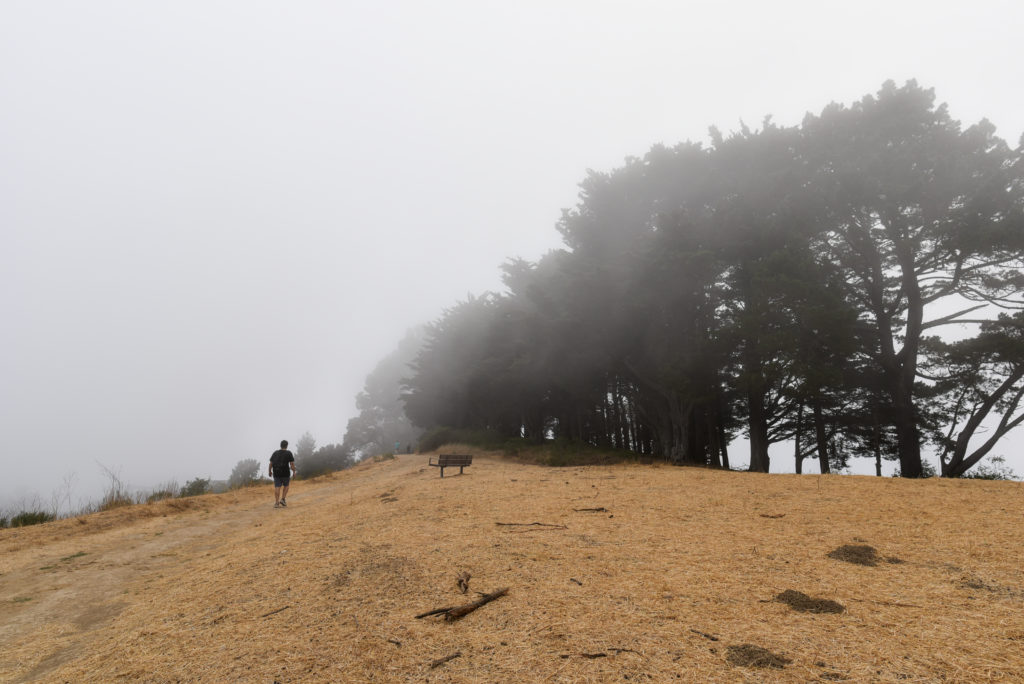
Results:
[216, 217]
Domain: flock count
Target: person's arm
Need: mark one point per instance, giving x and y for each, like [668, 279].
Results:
[270, 469]
[295, 471]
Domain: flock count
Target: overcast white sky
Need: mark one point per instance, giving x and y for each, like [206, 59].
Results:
[216, 217]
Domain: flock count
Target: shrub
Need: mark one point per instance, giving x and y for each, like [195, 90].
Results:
[995, 469]
[26, 518]
[115, 499]
[326, 459]
[195, 487]
[167, 490]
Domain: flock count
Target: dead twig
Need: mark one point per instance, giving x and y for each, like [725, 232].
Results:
[772, 515]
[533, 524]
[442, 661]
[600, 509]
[455, 612]
[584, 655]
[274, 611]
[704, 634]
[573, 579]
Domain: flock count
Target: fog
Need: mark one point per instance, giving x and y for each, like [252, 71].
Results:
[216, 217]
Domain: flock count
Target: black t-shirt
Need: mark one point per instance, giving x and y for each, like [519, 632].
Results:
[279, 461]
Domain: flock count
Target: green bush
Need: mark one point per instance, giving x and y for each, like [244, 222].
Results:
[195, 487]
[26, 518]
[995, 469]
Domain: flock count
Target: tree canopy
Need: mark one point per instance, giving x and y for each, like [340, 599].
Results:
[780, 284]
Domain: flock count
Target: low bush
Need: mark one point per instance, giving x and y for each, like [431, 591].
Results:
[26, 518]
[195, 487]
[995, 469]
[115, 499]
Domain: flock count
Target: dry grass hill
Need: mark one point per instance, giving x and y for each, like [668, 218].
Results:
[625, 573]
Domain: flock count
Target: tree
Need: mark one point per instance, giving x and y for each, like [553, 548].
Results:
[921, 213]
[780, 282]
[244, 472]
[382, 422]
[980, 383]
[304, 449]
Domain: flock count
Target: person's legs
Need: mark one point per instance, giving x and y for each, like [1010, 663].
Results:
[277, 495]
[284, 492]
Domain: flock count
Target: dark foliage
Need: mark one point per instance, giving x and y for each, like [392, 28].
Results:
[779, 284]
[195, 487]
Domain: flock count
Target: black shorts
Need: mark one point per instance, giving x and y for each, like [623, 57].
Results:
[282, 480]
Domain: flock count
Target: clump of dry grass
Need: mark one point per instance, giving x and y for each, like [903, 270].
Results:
[749, 655]
[797, 600]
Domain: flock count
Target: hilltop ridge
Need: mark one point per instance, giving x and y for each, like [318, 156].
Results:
[615, 573]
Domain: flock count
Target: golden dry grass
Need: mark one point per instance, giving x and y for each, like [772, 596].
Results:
[674, 581]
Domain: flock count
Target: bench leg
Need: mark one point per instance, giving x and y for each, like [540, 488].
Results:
[442, 471]
[460, 470]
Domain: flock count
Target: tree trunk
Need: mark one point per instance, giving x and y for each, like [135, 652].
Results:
[821, 437]
[798, 457]
[757, 425]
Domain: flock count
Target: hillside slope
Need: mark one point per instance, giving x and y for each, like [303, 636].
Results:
[675, 577]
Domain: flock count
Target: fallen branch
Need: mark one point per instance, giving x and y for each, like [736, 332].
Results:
[772, 515]
[533, 524]
[455, 612]
[704, 634]
[573, 579]
[274, 611]
[442, 661]
[584, 655]
[461, 611]
[600, 509]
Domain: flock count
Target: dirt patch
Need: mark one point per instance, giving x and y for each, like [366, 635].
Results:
[98, 615]
[749, 655]
[805, 604]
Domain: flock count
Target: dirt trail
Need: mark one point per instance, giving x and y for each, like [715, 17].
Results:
[80, 583]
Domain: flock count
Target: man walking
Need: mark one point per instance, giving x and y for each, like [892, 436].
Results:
[280, 460]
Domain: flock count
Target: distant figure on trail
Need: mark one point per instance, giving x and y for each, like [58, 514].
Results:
[280, 460]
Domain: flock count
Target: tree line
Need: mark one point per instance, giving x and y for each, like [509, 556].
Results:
[850, 285]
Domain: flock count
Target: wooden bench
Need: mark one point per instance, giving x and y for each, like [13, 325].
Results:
[451, 461]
